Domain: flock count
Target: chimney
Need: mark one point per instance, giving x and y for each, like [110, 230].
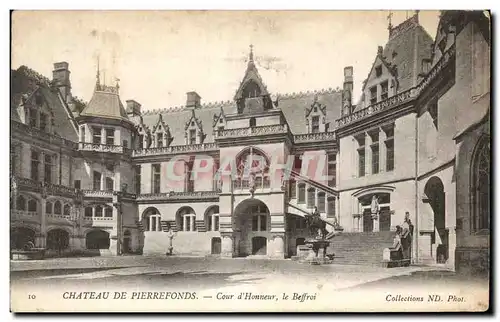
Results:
[133, 108]
[347, 92]
[60, 77]
[348, 78]
[193, 100]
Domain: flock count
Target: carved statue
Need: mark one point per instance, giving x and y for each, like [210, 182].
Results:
[170, 236]
[375, 207]
[316, 225]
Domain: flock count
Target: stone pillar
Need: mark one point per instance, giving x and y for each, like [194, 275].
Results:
[227, 236]
[277, 246]
[452, 244]
[103, 135]
[117, 217]
[42, 242]
[368, 155]
[424, 249]
[337, 209]
[376, 223]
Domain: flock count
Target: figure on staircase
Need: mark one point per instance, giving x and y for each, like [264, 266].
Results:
[316, 225]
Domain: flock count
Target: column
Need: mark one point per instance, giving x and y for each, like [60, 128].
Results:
[278, 245]
[192, 219]
[158, 223]
[368, 155]
[227, 238]
[276, 248]
[376, 223]
[103, 136]
[150, 223]
[42, 240]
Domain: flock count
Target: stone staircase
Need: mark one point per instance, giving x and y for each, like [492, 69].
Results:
[360, 248]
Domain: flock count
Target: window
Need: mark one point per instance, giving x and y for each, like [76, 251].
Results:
[481, 186]
[110, 185]
[43, 121]
[384, 90]
[108, 212]
[389, 148]
[48, 168]
[48, 207]
[311, 197]
[220, 129]
[98, 211]
[137, 169]
[35, 163]
[189, 184]
[378, 71]
[33, 114]
[212, 219]
[302, 193]
[332, 170]
[373, 95]
[88, 211]
[97, 180]
[331, 207]
[57, 208]
[67, 210]
[293, 189]
[96, 135]
[110, 136]
[82, 133]
[259, 223]
[21, 203]
[321, 202]
[315, 124]
[433, 111]
[156, 178]
[361, 155]
[32, 205]
[159, 140]
[252, 122]
[375, 152]
[192, 136]
[186, 219]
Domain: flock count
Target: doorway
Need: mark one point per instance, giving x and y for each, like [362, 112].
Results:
[259, 245]
[216, 246]
[434, 190]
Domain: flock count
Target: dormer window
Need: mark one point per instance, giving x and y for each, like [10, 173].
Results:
[192, 136]
[378, 71]
[159, 140]
[384, 90]
[220, 129]
[315, 124]
[373, 95]
[161, 134]
[251, 90]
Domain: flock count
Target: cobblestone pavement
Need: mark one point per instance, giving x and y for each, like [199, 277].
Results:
[199, 273]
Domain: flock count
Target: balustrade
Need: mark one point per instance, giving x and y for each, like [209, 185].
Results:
[203, 147]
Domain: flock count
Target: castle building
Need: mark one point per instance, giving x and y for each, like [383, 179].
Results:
[236, 178]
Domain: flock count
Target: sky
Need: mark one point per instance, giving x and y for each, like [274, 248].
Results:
[159, 56]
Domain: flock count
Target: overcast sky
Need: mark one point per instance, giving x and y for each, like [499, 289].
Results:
[158, 56]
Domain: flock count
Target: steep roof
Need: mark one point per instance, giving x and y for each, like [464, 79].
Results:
[105, 102]
[25, 82]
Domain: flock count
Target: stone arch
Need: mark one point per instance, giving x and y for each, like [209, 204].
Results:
[185, 219]
[480, 181]
[436, 197]
[151, 219]
[58, 239]
[211, 218]
[97, 239]
[252, 219]
[21, 236]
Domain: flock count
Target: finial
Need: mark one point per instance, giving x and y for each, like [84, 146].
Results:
[98, 77]
[251, 54]
[389, 18]
[416, 14]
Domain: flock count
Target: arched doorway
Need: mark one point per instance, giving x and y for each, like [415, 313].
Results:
[57, 239]
[216, 246]
[127, 240]
[97, 239]
[20, 237]
[434, 190]
[384, 217]
[251, 219]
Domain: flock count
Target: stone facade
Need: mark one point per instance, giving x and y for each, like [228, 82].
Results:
[102, 178]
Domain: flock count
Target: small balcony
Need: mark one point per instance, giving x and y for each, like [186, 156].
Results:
[23, 215]
[103, 148]
[176, 149]
[178, 196]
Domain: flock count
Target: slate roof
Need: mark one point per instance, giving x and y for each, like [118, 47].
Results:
[105, 102]
[25, 82]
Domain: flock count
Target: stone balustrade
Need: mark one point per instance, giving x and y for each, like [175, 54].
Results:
[176, 149]
[314, 137]
[172, 195]
[107, 148]
[253, 131]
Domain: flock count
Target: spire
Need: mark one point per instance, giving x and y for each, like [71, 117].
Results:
[250, 56]
[389, 18]
[98, 76]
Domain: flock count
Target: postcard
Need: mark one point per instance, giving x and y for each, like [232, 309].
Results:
[250, 161]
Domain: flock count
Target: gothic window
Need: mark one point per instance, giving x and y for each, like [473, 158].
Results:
[252, 163]
[67, 210]
[384, 90]
[32, 205]
[259, 222]
[315, 124]
[332, 170]
[378, 71]
[108, 212]
[109, 184]
[97, 180]
[373, 95]
[48, 207]
[137, 171]
[389, 148]
[98, 211]
[88, 212]
[302, 193]
[321, 202]
[481, 186]
[251, 89]
[57, 208]
[156, 168]
[48, 168]
[35, 162]
[375, 151]
[311, 197]
[212, 219]
[192, 136]
[361, 155]
[331, 207]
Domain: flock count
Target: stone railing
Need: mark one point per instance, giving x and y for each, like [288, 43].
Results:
[258, 183]
[314, 137]
[253, 131]
[196, 195]
[98, 218]
[176, 149]
[14, 213]
[48, 137]
[46, 188]
[54, 216]
[98, 193]
[97, 147]
[402, 97]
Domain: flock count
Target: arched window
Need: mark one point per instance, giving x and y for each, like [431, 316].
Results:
[98, 211]
[67, 210]
[57, 208]
[186, 218]
[481, 186]
[108, 212]
[88, 211]
[21, 203]
[252, 168]
[321, 202]
[212, 219]
[252, 122]
[32, 205]
[48, 207]
[251, 89]
[151, 220]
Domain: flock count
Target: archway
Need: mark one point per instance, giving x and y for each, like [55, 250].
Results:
[20, 237]
[384, 216]
[434, 190]
[212, 218]
[480, 185]
[151, 219]
[97, 239]
[251, 219]
[57, 239]
[185, 219]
